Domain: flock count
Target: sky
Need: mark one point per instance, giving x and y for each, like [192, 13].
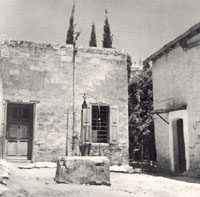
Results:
[141, 27]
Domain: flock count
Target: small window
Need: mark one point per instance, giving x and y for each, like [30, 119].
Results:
[100, 124]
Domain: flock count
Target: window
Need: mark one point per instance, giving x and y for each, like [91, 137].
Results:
[100, 124]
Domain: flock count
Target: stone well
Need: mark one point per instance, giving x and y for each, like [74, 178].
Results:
[83, 170]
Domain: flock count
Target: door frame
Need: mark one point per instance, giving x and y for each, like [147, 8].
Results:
[174, 116]
[6, 102]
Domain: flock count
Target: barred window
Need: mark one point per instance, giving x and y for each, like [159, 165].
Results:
[100, 124]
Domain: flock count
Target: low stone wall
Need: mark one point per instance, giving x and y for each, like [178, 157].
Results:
[117, 154]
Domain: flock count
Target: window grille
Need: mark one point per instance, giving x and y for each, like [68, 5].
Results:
[100, 124]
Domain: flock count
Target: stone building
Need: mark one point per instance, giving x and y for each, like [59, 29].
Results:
[176, 92]
[36, 98]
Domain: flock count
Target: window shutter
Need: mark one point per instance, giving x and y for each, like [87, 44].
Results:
[86, 134]
[113, 124]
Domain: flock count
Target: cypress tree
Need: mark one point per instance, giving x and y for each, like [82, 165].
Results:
[93, 41]
[107, 37]
[70, 32]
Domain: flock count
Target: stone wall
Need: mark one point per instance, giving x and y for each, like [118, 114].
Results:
[1, 119]
[42, 73]
[176, 82]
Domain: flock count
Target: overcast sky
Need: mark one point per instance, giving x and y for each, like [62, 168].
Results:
[139, 26]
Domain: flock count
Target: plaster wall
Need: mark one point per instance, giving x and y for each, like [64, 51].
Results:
[176, 82]
[1, 118]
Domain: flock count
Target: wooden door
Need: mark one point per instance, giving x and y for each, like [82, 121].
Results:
[19, 131]
[181, 146]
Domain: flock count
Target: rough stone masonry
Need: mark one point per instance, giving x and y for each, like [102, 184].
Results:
[41, 75]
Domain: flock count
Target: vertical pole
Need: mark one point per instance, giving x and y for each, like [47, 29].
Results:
[148, 156]
[149, 153]
[5, 129]
[99, 127]
[142, 155]
[73, 105]
[33, 134]
[74, 67]
[66, 153]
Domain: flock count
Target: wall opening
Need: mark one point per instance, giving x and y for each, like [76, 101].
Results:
[100, 124]
[179, 146]
[19, 131]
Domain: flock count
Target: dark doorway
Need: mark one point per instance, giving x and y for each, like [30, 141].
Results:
[19, 132]
[179, 147]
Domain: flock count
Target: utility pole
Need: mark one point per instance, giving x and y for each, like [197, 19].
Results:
[73, 105]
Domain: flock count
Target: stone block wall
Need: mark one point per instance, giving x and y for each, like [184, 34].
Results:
[176, 77]
[42, 73]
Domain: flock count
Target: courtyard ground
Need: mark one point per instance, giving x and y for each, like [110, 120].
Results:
[39, 182]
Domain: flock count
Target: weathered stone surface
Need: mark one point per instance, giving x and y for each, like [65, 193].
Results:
[37, 165]
[43, 72]
[25, 165]
[123, 168]
[83, 170]
[4, 169]
[3, 189]
[45, 165]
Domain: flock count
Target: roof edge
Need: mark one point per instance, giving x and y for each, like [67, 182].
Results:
[194, 30]
[98, 50]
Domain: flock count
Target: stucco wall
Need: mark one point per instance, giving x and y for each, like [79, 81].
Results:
[43, 73]
[176, 81]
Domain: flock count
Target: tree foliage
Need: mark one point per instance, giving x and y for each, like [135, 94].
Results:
[93, 41]
[70, 32]
[107, 36]
[141, 127]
